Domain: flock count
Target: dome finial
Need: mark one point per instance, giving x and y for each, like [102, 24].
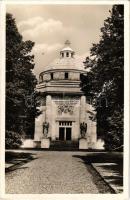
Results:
[67, 43]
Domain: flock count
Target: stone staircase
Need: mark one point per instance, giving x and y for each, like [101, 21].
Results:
[64, 145]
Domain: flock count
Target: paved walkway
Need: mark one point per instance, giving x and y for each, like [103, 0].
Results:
[55, 172]
[111, 175]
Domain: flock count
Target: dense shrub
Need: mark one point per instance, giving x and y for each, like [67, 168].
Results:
[13, 140]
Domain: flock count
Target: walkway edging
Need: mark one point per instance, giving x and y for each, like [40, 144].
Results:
[103, 178]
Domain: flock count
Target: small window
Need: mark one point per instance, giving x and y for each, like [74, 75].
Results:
[81, 76]
[52, 76]
[62, 55]
[66, 75]
[67, 54]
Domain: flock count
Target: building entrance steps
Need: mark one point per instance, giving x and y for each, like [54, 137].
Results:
[64, 145]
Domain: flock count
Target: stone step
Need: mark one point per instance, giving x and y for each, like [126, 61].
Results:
[64, 145]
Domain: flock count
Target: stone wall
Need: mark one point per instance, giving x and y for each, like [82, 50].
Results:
[74, 76]
[80, 112]
[59, 75]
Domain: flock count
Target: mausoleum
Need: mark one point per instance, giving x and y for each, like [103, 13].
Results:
[65, 114]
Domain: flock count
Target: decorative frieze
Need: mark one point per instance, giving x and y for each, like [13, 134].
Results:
[65, 107]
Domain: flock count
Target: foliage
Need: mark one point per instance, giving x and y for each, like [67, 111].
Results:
[105, 78]
[12, 140]
[20, 80]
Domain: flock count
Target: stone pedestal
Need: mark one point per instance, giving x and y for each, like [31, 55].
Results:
[27, 143]
[83, 144]
[45, 143]
[37, 144]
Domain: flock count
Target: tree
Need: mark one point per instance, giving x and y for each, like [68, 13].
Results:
[20, 80]
[105, 79]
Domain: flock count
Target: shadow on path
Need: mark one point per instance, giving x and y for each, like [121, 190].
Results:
[116, 167]
[17, 159]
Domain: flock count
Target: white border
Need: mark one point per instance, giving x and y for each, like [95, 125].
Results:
[126, 99]
[122, 196]
[2, 98]
[73, 2]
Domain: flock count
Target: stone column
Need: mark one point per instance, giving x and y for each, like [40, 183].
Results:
[82, 109]
[48, 115]
[83, 143]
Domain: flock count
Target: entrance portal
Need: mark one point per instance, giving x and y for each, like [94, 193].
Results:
[61, 133]
[65, 130]
[68, 133]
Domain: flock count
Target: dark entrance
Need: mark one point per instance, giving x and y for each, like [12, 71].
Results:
[68, 133]
[64, 133]
[61, 133]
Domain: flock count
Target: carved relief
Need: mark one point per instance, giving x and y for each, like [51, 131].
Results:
[65, 108]
[65, 104]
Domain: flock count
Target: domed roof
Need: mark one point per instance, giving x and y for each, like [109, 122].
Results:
[67, 60]
[67, 49]
[66, 63]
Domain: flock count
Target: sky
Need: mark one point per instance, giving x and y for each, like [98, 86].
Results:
[49, 26]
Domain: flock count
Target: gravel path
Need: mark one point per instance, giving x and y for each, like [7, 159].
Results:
[52, 172]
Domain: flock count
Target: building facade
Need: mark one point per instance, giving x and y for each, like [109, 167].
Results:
[64, 109]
